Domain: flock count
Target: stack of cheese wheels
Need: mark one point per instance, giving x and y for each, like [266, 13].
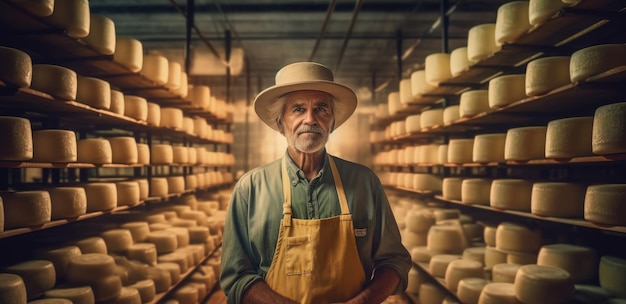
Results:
[200, 95]
[514, 238]
[473, 103]
[139, 230]
[154, 114]
[92, 245]
[469, 289]
[419, 86]
[101, 196]
[155, 68]
[143, 154]
[437, 67]
[446, 239]
[525, 143]
[117, 102]
[158, 187]
[460, 150]
[439, 263]
[19, 72]
[595, 59]
[451, 188]
[12, 289]
[94, 151]
[474, 253]
[504, 90]
[57, 81]
[451, 114]
[493, 257]
[431, 294]
[612, 274]
[67, 202]
[543, 284]
[418, 222]
[162, 279]
[17, 139]
[459, 61]
[93, 92]
[498, 293]
[54, 146]
[546, 74]
[60, 258]
[606, 137]
[172, 118]
[127, 193]
[547, 197]
[81, 294]
[183, 89]
[604, 204]
[481, 42]
[162, 154]
[406, 96]
[117, 240]
[430, 118]
[540, 11]
[511, 194]
[129, 53]
[71, 15]
[415, 279]
[511, 22]
[580, 262]
[101, 34]
[173, 75]
[38, 276]
[136, 107]
[97, 271]
[124, 149]
[146, 289]
[461, 269]
[488, 148]
[569, 137]
[475, 191]
[26, 208]
[393, 102]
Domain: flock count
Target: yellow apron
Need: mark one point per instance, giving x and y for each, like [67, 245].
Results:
[316, 261]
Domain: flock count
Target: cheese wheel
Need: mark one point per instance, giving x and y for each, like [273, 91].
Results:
[604, 204]
[90, 267]
[525, 143]
[60, 82]
[198, 235]
[507, 89]
[78, 295]
[493, 257]
[26, 209]
[609, 129]
[451, 114]
[445, 239]
[517, 238]
[51, 301]
[473, 103]
[540, 11]
[180, 155]
[146, 289]
[393, 102]
[569, 137]
[154, 114]
[430, 118]
[129, 53]
[161, 278]
[171, 118]
[411, 239]
[510, 194]
[439, 264]
[136, 107]
[182, 235]
[101, 35]
[138, 230]
[460, 150]
[128, 295]
[165, 241]
[183, 89]
[54, 146]
[41, 8]
[192, 155]
[162, 154]
[612, 274]
[155, 68]
[419, 221]
[469, 289]
[175, 184]
[475, 191]
[188, 125]
[200, 96]
[489, 235]
[558, 199]
[127, 193]
[426, 182]
[12, 289]
[543, 284]
[431, 294]
[200, 126]
[60, 258]
[489, 148]
[38, 276]
[459, 61]
[124, 150]
[504, 272]
[546, 74]
[173, 269]
[106, 288]
[581, 262]
[419, 86]
[474, 253]
[178, 257]
[117, 240]
[92, 245]
[481, 41]
[94, 151]
[446, 214]
[521, 258]
[406, 95]
[200, 287]
[72, 16]
[198, 216]
[595, 59]
[511, 22]
[437, 67]
[158, 187]
[93, 92]
[451, 188]
[117, 102]
[101, 196]
[498, 293]
[17, 67]
[461, 269]
[173, 75]
[186, 295]
[143, 154]
[17, 139]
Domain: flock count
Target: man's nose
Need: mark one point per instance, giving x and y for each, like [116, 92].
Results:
[309, 117]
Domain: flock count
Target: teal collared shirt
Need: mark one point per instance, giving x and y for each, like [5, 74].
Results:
[256, 207]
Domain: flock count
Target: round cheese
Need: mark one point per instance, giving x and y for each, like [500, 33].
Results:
[489, 148]
[451, 114]
[138, 230]
[158, 187]
[489, 235]
[183, 89]
[182, 235]
[446, 214]
[143, 154]
[200, 96]
[581, 262]
[430, 118]
[517, 238]
[445, 239]
[93, 92]
[12, 289]
[17, 139]
[54, 146]
[136, 107]
[393, 102]
[92, 245]
[198, 235]
[419, 86]
[511, 22]
[411, 239]
[431, 294]
[439, 264]
[155, 68]
[461, 269]
[547, 199]
[451, 188]
[165, 241]
[127, 193]
[41, 8]
[106, 288]
[101, 35]
[129, 53]
[406, 96]
[493, 257]
[200, 126]
[101, 196]
[569, 137]
[200, 287]
[504, 272]
[117, 240]
[89, 267]
[498, 293]
[124, 150]
[459, 61]
[507, 89]
[525, 143]
[60, 82]
[481, 41]
[162, 154]
[469, 289]
[546, 74]
[171, 118]
[78, 295]
[175, 184]
[128, 295]
[540, 11]
[38, 276]
[60, 258]
[72, 16]
[154, 114]
[609, 129]
[460, 150]
[186, 295]
[521, 258]
[146, 289]
[188, 125]
[596, 59]
[604, 204]
[173, 75]
[612, 274]
[67, 202]
[510, 194]
[177, 257]
[426, 182]
[180, 155]
[198, 216]
[475, 191]
[173, 269]
[117, 102]
[17, 67]
[437, 67]
[26, 209]
[473, 103]
[543, 284]
[161, 278]
[474, 253]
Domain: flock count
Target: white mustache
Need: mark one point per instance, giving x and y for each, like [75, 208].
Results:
[309, 128]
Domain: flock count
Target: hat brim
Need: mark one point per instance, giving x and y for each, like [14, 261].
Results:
[344, 106]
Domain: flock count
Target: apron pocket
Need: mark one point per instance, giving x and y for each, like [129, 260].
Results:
[299, 255]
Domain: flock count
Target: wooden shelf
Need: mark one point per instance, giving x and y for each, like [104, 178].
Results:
[26, 164]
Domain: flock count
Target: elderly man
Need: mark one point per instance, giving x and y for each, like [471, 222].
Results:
[310, 227]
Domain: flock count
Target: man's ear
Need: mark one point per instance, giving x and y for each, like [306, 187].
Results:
[279, 124]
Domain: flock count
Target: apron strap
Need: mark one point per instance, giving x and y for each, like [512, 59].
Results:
[343, 201]
[286, 194]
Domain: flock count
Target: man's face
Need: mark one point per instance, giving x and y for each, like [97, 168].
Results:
[307, 120]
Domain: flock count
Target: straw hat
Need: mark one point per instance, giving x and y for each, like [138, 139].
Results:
[305, 76]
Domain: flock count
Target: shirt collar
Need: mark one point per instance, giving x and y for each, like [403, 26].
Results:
[296, 175]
